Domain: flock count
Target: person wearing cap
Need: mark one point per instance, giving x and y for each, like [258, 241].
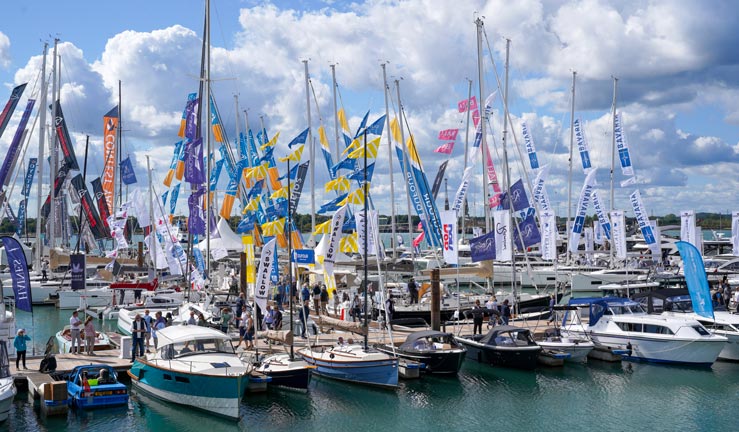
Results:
[20, 348]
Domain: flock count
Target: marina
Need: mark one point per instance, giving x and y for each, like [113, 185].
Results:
[548, 291]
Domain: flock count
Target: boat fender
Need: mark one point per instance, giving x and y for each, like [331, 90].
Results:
[331, 356]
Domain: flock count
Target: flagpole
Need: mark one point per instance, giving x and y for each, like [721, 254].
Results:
[207, 137]
[569, 177]
[406, 168]
[40, 163]
[312, 156]
[366, 223]
[385, 91]
[613, 164]
[84, 176]
[290, 259]
[54, 156]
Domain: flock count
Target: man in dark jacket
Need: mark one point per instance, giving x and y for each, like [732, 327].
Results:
[413, 290]
[304, 313]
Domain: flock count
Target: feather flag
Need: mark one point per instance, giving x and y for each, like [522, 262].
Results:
[326, 150]
[215, 122]
[340, 184]
[377, 127]
[300, 139]
[332, 205]
[362, 125]
[294, 156]
[257, 173]
[173, 164]
[252, 205]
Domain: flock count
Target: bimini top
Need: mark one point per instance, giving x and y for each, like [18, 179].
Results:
[184, 333]
[498, 331]
[423, 334]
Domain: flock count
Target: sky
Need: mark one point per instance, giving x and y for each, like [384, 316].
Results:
[676, 63]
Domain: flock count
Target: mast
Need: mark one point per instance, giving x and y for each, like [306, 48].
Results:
[406, 168]
[569, 176]
[290, 260]
[154, 248]
[365, 190]
[466, 148]
[312, 154]
[483, 141]
[508, 172]
[54, 155]
[120, 158]
[208, 201]
[613, 163]
[385, 91]
[336, 113]
[80, 225]
[40, 164]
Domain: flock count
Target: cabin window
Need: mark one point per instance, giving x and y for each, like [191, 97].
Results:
[701, 330]
[657, 329]
[182, 379]
[168, 377]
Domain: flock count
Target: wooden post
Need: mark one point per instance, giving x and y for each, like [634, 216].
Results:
[435, 300]
[140, 256]
[242, 275]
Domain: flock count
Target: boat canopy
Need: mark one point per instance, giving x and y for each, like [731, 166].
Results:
[184, 333]
[656, 300]
[599, 305]
[422, 335]
[495, 332]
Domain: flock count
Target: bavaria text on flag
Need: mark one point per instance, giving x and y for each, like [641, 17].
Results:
[642, 219]
[582, 207]
[530, 149]
[549, 235]
[582, 146]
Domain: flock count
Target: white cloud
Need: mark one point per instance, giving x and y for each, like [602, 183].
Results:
[4, 50]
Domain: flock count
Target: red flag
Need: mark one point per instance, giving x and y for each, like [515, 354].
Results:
[448, 134]
[464, 105]
[417, 241]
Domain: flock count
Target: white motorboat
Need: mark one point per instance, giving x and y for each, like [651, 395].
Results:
[621, 323]
[194, 366]
[7, 383]
[64, 341]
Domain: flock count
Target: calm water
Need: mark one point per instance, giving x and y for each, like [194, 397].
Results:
[602, 396]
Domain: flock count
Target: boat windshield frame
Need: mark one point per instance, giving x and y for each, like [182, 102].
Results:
[180, 349]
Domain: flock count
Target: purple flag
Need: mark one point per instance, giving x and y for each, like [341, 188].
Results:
[18, 268]
[529, 233]
[520, 200]
[196, 223]
[12, 154]
[194, 172]
[483, 248]
[7, 111]
[191, 116]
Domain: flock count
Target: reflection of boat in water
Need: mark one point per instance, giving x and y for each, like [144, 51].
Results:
[194, 366]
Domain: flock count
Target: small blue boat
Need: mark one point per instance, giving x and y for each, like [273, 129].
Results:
[95, 386]
[354, 364]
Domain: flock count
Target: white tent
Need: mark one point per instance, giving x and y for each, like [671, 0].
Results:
[228, 240]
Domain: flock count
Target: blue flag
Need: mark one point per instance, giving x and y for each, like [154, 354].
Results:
[695, 278]
[18, 268]
[376, 127]
[246, 225]
[520, 200]
[483, 248]
[527, 231]
[173, 198]
[362, 125]
[164, 197]
[300, 139]
[346, 163]
[127, 175]
[332, 205]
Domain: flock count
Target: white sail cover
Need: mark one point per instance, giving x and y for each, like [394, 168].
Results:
[228, 240]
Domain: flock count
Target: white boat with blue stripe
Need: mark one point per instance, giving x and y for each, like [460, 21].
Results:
[194, 366]
[354, 363]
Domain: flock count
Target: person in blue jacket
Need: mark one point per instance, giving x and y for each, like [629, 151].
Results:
[20, 348]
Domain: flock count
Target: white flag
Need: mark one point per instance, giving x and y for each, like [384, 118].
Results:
[449, 236]
[588, 233]
[540, 193]
[582, 207]
[646, 229]
[332, 249]
[622, 147]
[597, 233]
[359, 221]
[501, 220]
[687, 227]
[463, 187]
[548, 235]
[618, 231]
[264, 271]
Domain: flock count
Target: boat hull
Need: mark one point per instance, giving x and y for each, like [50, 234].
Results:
[7, 393]
[377, 372]
[217, 394]
[440, 362]
[511, 357]
[578, 351]
[673, 351]
[292, 379]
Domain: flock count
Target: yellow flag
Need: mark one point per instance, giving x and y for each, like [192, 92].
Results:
[252, 205]
[323, 228]
[356, 197]
[271, 142]
[273, 228]
[324, 140]
[340, 184]
[355, 144]
[280, 193]
[395, 129]
[349, 244]
[342, 120]
[294, 156]
[371, 147]
[250, 261]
